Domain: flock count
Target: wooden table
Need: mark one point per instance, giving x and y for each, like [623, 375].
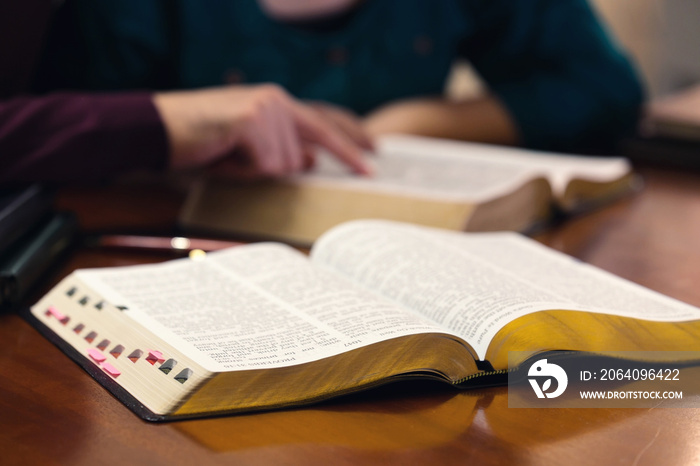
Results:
[51, 412]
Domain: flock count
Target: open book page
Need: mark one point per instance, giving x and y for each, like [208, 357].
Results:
[464, 171]
[253, 307]
[424, 172]
[474, 284]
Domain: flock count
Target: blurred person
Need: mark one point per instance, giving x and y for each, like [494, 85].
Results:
[252, 85]
[87, 134]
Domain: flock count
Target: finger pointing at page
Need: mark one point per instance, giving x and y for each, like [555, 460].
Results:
[249, 131]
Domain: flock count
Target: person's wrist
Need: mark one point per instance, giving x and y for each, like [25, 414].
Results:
[169, 106]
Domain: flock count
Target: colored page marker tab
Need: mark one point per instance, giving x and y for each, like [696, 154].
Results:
[90, 337]
[167, 366]
[96, 355]
[184, 375]
[154, 356]
[111, 370]
[135, 355]
[52, 311]
[117, 351]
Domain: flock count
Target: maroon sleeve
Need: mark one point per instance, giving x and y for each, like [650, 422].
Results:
[79, 137]
[66, 137]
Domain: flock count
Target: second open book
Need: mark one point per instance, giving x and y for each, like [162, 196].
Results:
[264, 326]
[433, 182]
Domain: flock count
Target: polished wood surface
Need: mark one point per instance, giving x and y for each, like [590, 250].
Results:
[51, 412]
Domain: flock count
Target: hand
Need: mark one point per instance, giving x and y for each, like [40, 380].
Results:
[253, 131]
[346, 121]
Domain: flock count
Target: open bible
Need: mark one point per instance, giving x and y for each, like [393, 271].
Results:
[432, 182]
[263, 326]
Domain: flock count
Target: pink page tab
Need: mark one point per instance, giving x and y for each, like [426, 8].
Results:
[96, 355]
[111, 370]
[154, 356]
[52, 311]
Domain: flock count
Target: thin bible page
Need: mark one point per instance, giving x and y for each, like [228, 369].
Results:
[486, 167]
[475, 283]
[427, 169]
[253, 307]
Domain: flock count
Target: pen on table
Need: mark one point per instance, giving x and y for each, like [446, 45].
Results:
[178, 245]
